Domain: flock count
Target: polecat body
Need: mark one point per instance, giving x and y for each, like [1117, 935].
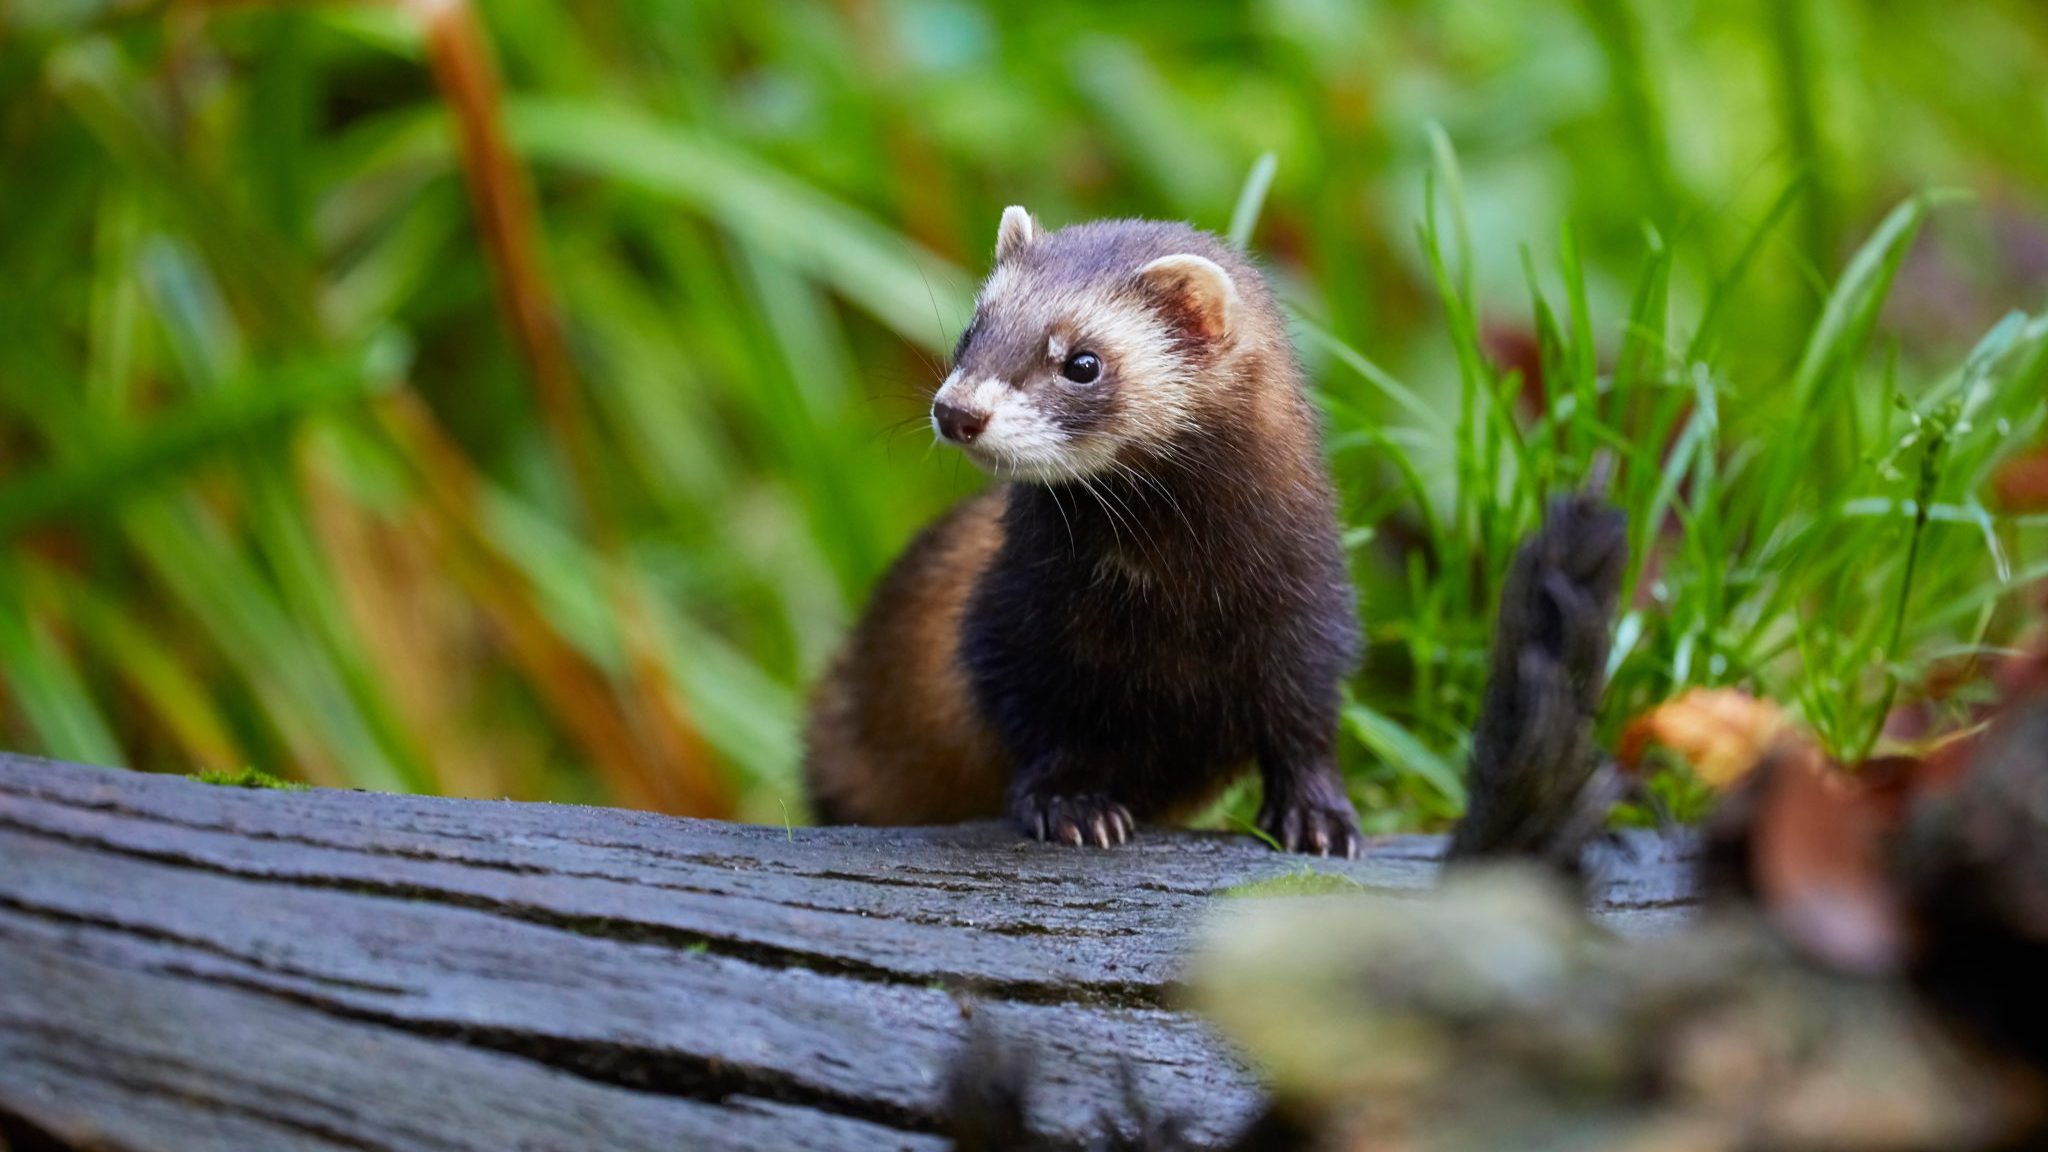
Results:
[1154, 599]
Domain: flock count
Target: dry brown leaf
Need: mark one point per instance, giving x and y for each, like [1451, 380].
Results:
[1817, 844]
[1721, 732]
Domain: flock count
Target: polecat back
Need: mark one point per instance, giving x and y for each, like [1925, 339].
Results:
[1152, 599]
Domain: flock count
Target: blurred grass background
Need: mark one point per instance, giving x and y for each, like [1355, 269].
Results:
[518, 399]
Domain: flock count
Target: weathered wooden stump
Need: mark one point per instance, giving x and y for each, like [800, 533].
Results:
[193, 967]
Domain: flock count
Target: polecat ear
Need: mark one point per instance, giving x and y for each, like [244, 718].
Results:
[1017, 232]
[1197, 290]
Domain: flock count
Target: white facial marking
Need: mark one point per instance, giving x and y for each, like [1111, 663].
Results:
[1159, 398]
[1021, 441]
[998, 286]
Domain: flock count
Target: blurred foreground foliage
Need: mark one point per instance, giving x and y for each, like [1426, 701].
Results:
[371, 425]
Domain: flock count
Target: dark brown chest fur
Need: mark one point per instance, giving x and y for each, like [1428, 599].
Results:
[1156, 632]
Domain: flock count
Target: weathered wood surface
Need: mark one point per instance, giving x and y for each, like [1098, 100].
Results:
[194, 967]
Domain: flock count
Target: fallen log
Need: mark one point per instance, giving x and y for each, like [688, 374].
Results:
[186, 966]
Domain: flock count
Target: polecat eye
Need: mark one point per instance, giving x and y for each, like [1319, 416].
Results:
[1082, 368]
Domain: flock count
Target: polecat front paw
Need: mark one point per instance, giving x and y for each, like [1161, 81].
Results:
[1315, 820]
[1089, 818]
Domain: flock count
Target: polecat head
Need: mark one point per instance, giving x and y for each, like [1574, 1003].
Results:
[1095, 344]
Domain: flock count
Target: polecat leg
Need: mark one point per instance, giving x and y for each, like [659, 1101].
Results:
[1306, 809]
[1048, 804]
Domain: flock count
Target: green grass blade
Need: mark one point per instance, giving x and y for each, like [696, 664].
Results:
[880, 272]
[1398, 747]
[87, 485]
[67, 723]
[1251, 198]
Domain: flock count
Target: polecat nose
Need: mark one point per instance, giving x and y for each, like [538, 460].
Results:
[957, 424]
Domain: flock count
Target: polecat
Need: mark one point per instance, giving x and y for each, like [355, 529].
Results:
[1153, 599]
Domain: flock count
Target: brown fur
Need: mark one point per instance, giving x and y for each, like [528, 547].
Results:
[894, 736]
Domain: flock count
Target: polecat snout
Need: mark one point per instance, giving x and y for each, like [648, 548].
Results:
[1153, 599]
